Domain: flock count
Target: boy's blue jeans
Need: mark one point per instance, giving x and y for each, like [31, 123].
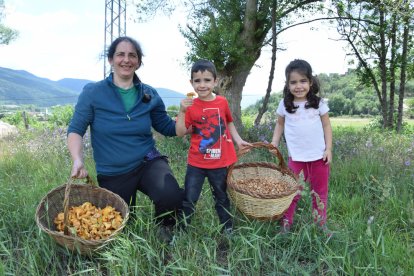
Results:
[194, 181]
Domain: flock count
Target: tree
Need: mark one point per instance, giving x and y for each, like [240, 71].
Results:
[406, 45]
[337, 102]
[373, 30]
[263, 108]
[232, 33]
[6, 34]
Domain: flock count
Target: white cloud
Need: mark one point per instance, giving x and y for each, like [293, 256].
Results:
[65, 39]
[318, 47]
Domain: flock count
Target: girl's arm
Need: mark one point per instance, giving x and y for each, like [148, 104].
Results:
[327, 131]
[236, 137]
[277, 133]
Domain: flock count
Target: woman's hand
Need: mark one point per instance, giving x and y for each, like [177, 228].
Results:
[78, 170]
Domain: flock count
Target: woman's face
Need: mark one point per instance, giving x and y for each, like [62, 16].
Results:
[125, 60]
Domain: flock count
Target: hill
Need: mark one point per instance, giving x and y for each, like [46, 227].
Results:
[73, 84]
[18, 87]
[170, 97]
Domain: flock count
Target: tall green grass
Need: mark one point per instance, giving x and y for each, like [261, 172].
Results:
[370, 210]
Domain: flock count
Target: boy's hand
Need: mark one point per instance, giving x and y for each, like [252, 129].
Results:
[241, 144]
[185, 103]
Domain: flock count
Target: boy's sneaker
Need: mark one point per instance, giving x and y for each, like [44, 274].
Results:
[228, 231]
[165, 234]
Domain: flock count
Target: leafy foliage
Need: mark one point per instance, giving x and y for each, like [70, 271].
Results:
[379, 38]
[61, 115]
[6, 34]
[410, 104]
[17, 119]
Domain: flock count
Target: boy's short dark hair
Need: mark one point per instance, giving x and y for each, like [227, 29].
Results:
[204, 65]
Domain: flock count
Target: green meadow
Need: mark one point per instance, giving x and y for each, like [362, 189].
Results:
[370, 211]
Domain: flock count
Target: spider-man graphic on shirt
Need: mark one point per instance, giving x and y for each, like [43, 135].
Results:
[211, 145]
[211, 127]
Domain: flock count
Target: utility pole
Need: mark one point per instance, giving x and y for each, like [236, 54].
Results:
[115, 26]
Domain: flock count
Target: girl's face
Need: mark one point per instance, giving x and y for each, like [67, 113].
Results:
[299, 86]
[204, 83]
[125, 60]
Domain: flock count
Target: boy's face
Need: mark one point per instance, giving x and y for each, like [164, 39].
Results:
[204, 83]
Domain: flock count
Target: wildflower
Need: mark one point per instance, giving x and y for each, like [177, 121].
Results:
[407, 162]
[368, 144]
[370, 220]
[369, 231]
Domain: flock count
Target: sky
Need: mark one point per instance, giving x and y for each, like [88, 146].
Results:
[65, 39]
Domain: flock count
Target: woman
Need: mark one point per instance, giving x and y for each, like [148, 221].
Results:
[120, 111]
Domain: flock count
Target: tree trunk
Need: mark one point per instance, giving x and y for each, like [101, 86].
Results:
[263, 108]
[403, 73]
[383, 71]
[234, 96]
[391, 107]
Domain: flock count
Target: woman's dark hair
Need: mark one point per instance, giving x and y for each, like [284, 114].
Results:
[114, 44]
[204, 65]
[302, 67]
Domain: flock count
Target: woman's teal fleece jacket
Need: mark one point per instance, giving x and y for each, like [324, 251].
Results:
[120, 139]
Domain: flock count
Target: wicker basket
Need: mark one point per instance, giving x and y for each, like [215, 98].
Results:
[72, 194]
[255, 203]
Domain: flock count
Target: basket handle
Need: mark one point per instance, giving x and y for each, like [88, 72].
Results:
[89, 181]
[272, 149]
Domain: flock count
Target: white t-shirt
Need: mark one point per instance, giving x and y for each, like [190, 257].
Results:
[303, 131]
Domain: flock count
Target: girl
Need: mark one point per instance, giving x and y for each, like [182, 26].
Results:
[303, 117]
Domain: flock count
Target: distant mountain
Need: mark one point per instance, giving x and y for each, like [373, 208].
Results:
[73, 84]
[18, 87]
[170, 97]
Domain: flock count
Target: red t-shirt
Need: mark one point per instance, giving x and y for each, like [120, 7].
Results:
[211, 145]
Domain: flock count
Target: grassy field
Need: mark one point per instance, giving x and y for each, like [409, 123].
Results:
[370, 211]
[356, 122]
[349, 122]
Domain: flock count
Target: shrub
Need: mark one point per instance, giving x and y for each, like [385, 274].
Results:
[61, 115]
